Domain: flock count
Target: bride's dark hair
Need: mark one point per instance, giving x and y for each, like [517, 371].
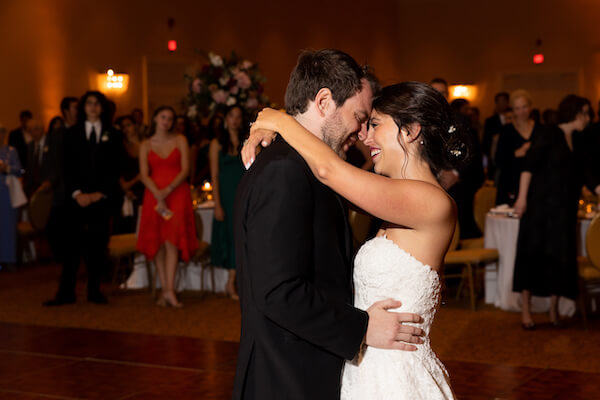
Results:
[444, 145]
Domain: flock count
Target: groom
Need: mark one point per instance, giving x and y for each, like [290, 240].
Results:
[294, 248]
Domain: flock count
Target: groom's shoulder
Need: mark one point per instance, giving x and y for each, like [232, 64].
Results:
[279, 155]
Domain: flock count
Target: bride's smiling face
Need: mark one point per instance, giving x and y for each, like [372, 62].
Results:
[383, 137]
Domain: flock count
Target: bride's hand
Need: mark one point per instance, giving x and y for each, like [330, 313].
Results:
[262, 132]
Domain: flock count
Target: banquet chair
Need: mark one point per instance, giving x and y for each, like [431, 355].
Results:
[470, 261]
[589, 269]
[360, 224]
[124, 246]
[200, 257]
[38, 214]
[484, 201]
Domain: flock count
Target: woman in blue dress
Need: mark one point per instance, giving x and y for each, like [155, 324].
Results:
[9, 165]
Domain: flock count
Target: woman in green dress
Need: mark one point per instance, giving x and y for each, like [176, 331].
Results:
[226, 172]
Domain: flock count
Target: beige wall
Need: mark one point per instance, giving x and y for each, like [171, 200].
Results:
[52, 48]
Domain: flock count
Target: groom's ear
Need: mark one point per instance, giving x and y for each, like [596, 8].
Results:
[324, 102]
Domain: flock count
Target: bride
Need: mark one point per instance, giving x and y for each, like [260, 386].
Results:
[412, 137]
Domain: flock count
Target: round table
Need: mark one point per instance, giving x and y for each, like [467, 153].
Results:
[501, 232]
[188, 275]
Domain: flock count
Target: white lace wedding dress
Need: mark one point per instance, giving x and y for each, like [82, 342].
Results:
[383, 270]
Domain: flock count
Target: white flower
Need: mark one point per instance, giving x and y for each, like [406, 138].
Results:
[224, 80]
[192, 111]
[215, 59]
[230, 101]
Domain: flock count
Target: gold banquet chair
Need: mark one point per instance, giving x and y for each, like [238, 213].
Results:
[360, 224]
[589, 268]
[200, 257]
[484, 201]
[38, 212]
[124, 246]
[470, 261]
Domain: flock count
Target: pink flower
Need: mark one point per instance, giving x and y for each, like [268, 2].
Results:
[246, 64]
[243, 80]
[219, 96]
[234, 90]
[252, 102]
[197, 85]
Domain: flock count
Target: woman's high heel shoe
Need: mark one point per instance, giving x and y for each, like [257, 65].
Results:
[161, 302]
[174, 304]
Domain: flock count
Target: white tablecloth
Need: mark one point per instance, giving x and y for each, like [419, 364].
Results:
[501, 233]
[188, 276]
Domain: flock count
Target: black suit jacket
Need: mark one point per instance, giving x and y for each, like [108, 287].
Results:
[92, 167]
[293, 252]
[16, 139]
[492, 127]
[36, 172]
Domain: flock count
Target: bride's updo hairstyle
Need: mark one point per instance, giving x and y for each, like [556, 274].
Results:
[442, 138]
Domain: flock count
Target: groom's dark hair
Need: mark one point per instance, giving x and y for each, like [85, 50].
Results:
[327, 68]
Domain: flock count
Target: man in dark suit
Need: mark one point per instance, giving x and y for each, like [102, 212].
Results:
[36, 176]
[18, 138]
[491, 129]
[294, 250]
[91, 180]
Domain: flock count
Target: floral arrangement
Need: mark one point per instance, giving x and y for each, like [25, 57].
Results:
[224, 82]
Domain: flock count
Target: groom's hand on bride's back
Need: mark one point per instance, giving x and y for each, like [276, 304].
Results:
[386, 329]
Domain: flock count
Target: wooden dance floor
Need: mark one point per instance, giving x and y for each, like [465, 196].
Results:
[66, 363]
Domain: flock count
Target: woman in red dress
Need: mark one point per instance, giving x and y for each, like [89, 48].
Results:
[167, 230]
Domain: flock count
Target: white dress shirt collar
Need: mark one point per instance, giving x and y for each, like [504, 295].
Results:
[88, 129]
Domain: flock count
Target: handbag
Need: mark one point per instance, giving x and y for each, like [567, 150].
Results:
[127, 207]
[15, 190]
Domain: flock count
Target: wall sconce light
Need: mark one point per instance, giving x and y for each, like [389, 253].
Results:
[113, 83]
[468, 92]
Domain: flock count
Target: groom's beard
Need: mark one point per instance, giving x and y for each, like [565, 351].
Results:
[334, 134]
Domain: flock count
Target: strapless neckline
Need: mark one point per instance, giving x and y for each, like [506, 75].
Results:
[406, 253]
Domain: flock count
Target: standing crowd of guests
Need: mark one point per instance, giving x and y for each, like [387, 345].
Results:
[100, 170]
[540, 164]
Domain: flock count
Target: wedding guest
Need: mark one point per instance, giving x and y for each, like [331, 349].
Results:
[167, 227]
[474, 115]
[36, 177]
[183, 126]
[200, 166]
[53, 177]
[20, 137]
[550, 186]
[441, 85]
[68, 108]
[91, 177]
[132, 188]
[138, 118]
[9, 166]
[463, 184]
[536, 116]
[513, 144]
[226, 171]
[491, 131]
[549, 117]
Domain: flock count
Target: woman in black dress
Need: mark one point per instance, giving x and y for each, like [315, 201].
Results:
[129, 180]
[550, 187]
[513, 143]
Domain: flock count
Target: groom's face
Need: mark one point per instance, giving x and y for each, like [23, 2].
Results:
[348, 120]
